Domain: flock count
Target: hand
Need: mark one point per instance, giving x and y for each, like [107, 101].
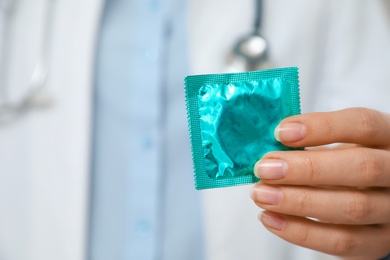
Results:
[334, 200]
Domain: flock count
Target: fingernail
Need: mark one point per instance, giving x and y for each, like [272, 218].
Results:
[272, 220]
[266, 195]
[271, 169]
[291, 132]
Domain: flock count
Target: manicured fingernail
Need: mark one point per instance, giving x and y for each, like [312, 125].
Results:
[266, 195]
[291, 132]
[272, 220]
[271, 169]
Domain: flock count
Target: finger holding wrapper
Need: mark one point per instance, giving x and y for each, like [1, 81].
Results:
[232, 118]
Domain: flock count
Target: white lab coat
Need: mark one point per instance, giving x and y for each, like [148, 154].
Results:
[44, 166]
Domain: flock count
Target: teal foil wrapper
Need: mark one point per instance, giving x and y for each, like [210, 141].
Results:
[232, 118]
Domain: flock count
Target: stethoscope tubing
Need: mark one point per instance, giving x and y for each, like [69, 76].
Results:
[11, 110]
[258, 16]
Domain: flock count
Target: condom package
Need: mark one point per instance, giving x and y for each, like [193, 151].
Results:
[232, 118]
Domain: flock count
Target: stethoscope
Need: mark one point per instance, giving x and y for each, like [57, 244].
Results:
[250, 52]
[35, 95]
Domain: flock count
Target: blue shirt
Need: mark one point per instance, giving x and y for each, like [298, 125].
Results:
[143, 202]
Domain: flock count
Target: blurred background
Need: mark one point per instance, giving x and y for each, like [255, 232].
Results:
[95, 156]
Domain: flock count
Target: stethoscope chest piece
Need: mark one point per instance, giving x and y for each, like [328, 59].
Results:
[250, 52]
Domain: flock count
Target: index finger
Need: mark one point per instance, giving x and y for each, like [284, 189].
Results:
[354, 125]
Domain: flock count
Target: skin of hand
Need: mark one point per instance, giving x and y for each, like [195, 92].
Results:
[335, 200]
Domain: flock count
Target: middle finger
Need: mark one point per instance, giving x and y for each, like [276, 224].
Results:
[353, 167]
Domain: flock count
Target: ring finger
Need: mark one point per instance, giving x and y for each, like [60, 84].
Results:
[353, 206]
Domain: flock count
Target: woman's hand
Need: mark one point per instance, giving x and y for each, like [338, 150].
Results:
[334, 200]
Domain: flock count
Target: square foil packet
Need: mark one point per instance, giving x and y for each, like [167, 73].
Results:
[232, 118]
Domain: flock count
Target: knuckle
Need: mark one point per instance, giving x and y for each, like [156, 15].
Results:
[304, 237]
[343, 244]
[371, 167]
[302, 201]
[368, 123]
[358, 208]
[327, 127]
[311, 168]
